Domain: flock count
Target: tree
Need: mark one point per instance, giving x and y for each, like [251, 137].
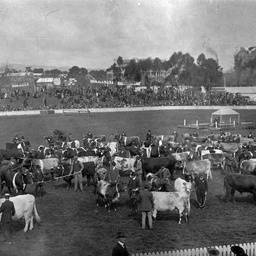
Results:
[38, 70]
[119, 61]
[73, 72]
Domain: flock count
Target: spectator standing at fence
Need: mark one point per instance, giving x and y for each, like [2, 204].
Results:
[146, 206]
[238, 251]
[213, 251]
[8, 210]
[76, 169]
[120, 248]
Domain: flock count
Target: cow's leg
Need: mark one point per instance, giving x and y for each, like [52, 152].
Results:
[180, 214]
[232, 193]
[88, 177]
[31, 226]
[27, 221]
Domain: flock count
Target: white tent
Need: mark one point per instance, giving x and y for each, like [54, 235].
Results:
[226, 115]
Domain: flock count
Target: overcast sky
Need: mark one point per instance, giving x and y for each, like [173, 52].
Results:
[92, 33]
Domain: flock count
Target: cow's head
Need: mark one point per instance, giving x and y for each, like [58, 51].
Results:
[27, 176]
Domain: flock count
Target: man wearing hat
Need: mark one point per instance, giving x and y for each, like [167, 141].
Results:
[7, 209]
[146, 206]
[120, 248]
[76, 169]
[237, 250]
[113, 173]
[213, 251]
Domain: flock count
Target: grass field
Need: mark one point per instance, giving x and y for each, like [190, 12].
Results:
[72, 224]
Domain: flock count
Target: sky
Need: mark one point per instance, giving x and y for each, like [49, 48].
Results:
[92, 33]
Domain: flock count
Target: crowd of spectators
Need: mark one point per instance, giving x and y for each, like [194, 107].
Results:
[112, 96]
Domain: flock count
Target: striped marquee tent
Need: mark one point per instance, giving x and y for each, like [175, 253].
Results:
[226, 115]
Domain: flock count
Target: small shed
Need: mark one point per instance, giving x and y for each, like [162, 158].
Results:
[226, 116]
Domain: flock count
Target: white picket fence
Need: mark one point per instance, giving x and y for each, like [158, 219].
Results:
[249, 248]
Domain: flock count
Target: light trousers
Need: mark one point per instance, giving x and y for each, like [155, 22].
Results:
[79, 181]
[150, 222]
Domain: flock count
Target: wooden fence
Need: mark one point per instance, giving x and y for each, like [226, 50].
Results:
[249, 248]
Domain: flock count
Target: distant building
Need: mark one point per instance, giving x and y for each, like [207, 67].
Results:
[19, 81]
[48, 83]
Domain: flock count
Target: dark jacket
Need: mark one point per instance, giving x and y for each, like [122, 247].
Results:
[118, 250]
[7, 209]
[146, 201]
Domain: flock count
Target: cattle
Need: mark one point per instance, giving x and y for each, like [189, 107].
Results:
[238, 182]
[109, 193]
[96, 159]
[25, 207]
[163, 138]
[63, 171]
[216, 156]
[47, 165]
[8, 153]
[248, 166]
[157, 183]
[198, 167]
[230, 147]
[113, 147]
[128, 141]
[181, 185]
[15, 179]
[154, 164]
[182, 158]
[169, 201]
[124, 164]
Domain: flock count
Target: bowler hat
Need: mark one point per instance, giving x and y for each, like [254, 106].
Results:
[120, 234]
[213, 251]
[237, 250]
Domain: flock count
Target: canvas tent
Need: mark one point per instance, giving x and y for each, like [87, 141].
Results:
[226, 115]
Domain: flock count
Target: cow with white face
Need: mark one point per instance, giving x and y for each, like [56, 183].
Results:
[124, 164]
[25, 207]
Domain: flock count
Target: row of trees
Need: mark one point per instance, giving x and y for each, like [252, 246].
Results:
[181, 69]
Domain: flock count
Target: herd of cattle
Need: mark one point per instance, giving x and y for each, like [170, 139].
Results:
[195, 156]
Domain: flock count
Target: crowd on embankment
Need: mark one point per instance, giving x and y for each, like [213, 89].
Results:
[117, 97]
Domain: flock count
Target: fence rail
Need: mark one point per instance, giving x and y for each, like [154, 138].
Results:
[225, 250]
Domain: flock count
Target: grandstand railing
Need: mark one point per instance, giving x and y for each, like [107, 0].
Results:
[225, 250]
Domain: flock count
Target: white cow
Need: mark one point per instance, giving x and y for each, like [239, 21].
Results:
[124, 164]
[199, 167]
[24, 206]
[47, 165]
[113, 147]
[169, 201]
[180, 185]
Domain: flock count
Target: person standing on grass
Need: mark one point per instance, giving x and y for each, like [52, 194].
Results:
[120, 248]
[76, 169]
[7, 209]
[146, 206]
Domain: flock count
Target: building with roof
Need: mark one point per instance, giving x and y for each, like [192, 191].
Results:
[226, 116]
[48, 83]
[18, 81]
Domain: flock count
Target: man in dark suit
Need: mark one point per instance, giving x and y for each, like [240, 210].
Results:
[7, 209]
[146, 206]
[120, 248]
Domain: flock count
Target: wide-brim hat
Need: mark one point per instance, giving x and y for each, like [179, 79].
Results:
[213, 251]
[237, 250]
[120, 235]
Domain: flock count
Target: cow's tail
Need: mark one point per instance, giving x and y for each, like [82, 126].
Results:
[38, 219]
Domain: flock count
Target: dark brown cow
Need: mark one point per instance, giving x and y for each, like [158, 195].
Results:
[238, 182]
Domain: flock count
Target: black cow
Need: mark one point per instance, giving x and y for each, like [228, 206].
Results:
[109, 193]
[88, 171]
[16, 178]
[238, 182]
[154, 164]
[8, 153]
